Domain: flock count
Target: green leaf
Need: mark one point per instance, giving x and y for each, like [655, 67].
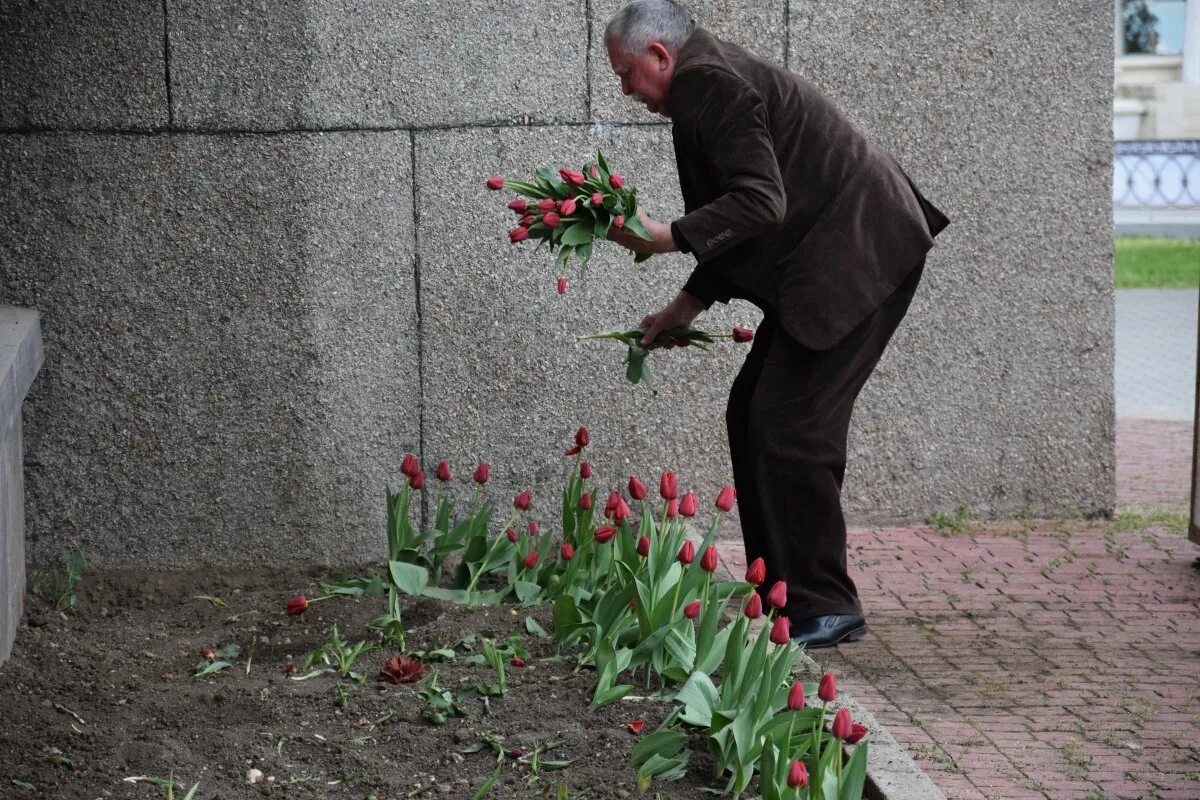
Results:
[532, 627]
[610, 696]
[526, 591]
[854, 774]
[699, 697]
[577, 233]
[666, 743]
[209, 669]
[489, 783]
[408, 578]
[603, 164]
[634, 224]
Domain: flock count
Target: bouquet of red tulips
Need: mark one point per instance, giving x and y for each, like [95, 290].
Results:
[570, 209]
[636, 368]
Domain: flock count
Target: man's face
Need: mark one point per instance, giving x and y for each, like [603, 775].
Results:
[645, 76]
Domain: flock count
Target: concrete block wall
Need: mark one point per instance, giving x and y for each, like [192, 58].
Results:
[267, 267]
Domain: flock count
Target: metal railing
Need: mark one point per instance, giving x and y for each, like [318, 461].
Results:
[1156, 174]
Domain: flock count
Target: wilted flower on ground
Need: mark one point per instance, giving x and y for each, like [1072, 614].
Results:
[402, 669]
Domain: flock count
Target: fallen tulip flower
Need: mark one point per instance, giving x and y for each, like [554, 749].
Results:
[208, 653]
[687, 553]
[726, 498]
[481, 474]
[297, 605]
[517, 661]
[827, 689]
[756, 573]
[495, 183]
[797, 775]
[636, 726]
[857, 732]
[567, 207]
[708, 561]
[687, 506]
[402, 669]
[545, 205]
[637, 489]
[842, 726]
[795, 700]
[777, 597]
[742, 335]
[443, 471]
[754, 606]
[643, 546]
[551, 219]
[692, 609]
[781, 631]
[561, 286]
[573, 177]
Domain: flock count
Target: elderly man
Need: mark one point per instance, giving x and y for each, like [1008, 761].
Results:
[791, 208]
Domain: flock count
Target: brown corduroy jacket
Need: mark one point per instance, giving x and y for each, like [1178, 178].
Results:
[786, 203]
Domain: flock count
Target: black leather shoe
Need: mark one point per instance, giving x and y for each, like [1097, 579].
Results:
[829, 630]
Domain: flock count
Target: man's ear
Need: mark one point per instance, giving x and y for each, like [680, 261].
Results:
[666, 59]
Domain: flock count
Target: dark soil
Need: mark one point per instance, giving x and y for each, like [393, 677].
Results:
[122, 660]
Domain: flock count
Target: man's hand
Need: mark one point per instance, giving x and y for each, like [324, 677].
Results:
[661, 241]
[679, 313]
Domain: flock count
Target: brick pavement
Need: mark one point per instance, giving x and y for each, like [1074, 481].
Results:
[1042, 659]
[1154, 463]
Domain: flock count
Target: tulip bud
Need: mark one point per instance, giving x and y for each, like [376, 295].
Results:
[517, 661]
[410, 466]
[605, 533]
[594, 171]
[827, 690]
[531, 560]
[562, 286]
[797, 775]
[672, 509]
[687, 506]
[597, 199]
[726, 498]
[637, 489]
[619, 221]
[585, 470]
[741, 334]
[567, 207]
[754, 606]
[417, 481]
[518, 234]
[297, 604]
[481, 474]
[208, 653]
[495, 183]
[643, 546]
[621, 511]
[795, 700]
[611, 505]
[551, 219]
[521, 502]
[545, 204]
[582, 437]
[573, 177]
[708, 561]
[842, 726]
[778, 596]
[512, 535]
[585, 501]
[687, 553]
[443, 471]
[527, 220]
[633, 603]
[692, 609]
[533, 527]
[757, 572]
[568, 551]
[857, 732]
[781, 630]
[668, 486]
[519, 206]
[616, 181]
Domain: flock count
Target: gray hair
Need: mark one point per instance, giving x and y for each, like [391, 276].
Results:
[641, 22]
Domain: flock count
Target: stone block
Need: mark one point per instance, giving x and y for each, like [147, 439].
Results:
[311, 64]
[230, 331]
[75, 64]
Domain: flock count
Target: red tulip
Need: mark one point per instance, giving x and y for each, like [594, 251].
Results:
[297, 605]
[637, 489]
[687, 553]
[741, 334]
[585, 470]
[778, 596]
[687, 506]
[668, 486]
[521, 502]
[519, 206]
[611, 505]
[796, 696]
[643, 546]
[582, 437]
[402, 669]
[568, 551]
[551, 219]
[573, 177]
[533, 527]
[692, 609]
[605, 533]
[597, 199]
[562, 288]
[567, 207]
[672, 509]
[708, 561]
[585, 501]
[531, 560]
[757, 572]
[517, 661]
[594, 171]
[527, 220]
[754, 606]
[481, 474]
[616, 181]
[781, 630]
[797, 775]
[619, 221]
[518, 234]
[208, 653]
[495, 183]
[726, 498]
[410, 466]
[417, 481]
[827, 690]
[635, 727]
[512, 535]
[443, 471]
[633, 603]
[857, 732]
[842, 726]
[621, 511]
[545, 205]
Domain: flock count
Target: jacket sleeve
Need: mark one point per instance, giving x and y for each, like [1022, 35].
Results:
[723, 120]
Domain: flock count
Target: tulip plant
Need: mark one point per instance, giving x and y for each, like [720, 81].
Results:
[636, 368]
[571, 209]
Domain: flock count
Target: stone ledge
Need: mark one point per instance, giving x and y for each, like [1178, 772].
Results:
[20, 359]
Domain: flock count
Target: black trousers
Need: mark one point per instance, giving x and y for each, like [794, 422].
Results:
[788, 419]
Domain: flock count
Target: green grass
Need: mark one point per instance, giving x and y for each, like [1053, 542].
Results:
[1143, 262]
